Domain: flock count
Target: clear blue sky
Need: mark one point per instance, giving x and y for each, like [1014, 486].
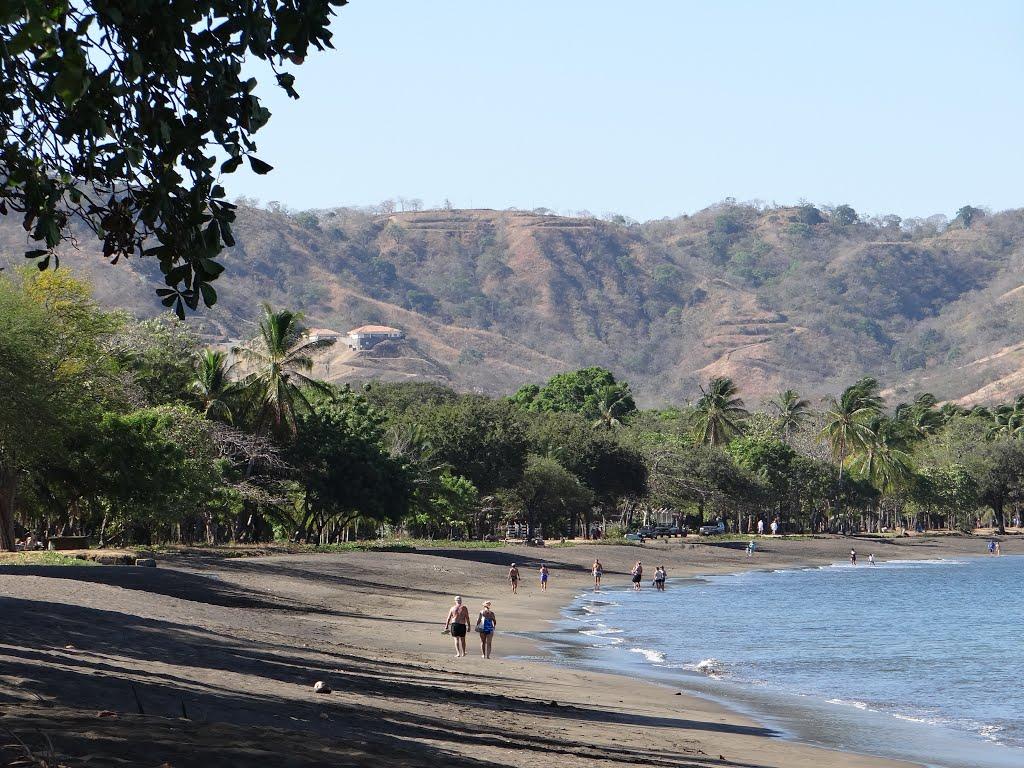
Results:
[657, 107]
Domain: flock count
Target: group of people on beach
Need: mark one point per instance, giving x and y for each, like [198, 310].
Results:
[457, 624]
[660, 576]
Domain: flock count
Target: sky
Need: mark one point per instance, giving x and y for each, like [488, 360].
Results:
[654, 108]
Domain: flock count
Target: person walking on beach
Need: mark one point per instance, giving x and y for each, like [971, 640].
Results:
[543, 577]
[513, 578]
[760, 526]
[775, 527]
[871, 558]
[638, 574]
[486, 622]
[998, 553]
[853, 556]
[750, 548]
[659, 578]
[992, 547]
[598, 570]
[458, 624]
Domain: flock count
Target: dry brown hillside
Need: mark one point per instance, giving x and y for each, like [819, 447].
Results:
[490, 300]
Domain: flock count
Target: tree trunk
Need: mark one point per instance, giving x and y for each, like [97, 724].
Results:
[1000, 518]
[8, 488]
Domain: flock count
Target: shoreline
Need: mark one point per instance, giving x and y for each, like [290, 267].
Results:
[566, 646]
[237, 642]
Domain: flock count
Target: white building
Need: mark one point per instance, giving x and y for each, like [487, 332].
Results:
[321, 334]
[366, 336]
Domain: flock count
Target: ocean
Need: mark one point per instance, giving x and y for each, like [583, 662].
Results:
[917, 660]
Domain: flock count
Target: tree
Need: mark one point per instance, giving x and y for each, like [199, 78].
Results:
[880, 455]
[719, 412]
[847, 420]
[343, 467]
[278, 361]
[54, 375]
[550, 495]
[612, 405]
[967, 216]
[580, 392]
[214, 392]
[999, 469]
[160, 354]
[479, 438]
[791, 411]
[118, 117]
[844, 216]
[1008, 419]
[922, 417]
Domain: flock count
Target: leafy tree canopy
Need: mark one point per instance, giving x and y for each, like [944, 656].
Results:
[123, 115]
[592, 392]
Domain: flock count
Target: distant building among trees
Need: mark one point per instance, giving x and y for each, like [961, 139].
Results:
[367, 336]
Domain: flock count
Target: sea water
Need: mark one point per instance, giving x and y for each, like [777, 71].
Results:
[918, 660]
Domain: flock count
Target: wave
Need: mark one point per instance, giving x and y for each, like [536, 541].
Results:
[711, 667]
[601, 631]
[861, 705]
[655, 657]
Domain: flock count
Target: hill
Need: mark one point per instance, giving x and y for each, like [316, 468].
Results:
[774, 297]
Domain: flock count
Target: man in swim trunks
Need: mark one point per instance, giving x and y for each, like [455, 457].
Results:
[598, 570]
[458, 623]
[853, 557]
[486, 622]
[543, 577]
[513, 578]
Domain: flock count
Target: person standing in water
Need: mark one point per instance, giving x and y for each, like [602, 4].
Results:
[998, 552]
[659, 578]
[853, 556]
[598, 570]
[638, 574]
[544, 577]
[486, 622]
[513, 578]
[871, 558]
[458, 624]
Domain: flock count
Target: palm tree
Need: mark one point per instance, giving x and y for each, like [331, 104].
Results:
[212, 387]
[611, 406]
[279, 359]
[719, 412]
[881, 457]
[922, 417]
[790, 411]
[1008, 419]
[848, 419]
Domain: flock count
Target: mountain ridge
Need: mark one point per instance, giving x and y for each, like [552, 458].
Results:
[774, 297]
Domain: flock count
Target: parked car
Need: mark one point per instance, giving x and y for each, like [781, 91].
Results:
[637, 537]
[677, 530]
[663, 530]
[647, 532]
[713, 529]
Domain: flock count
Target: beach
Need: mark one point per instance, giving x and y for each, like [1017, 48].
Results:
[210, 660]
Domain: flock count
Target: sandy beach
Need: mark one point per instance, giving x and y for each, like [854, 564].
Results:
[209, 660]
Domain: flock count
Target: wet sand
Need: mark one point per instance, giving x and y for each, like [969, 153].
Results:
[209, 660]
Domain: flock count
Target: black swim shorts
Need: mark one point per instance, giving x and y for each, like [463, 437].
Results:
[458, 630]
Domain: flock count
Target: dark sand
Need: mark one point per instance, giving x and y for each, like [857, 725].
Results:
[220, 654]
